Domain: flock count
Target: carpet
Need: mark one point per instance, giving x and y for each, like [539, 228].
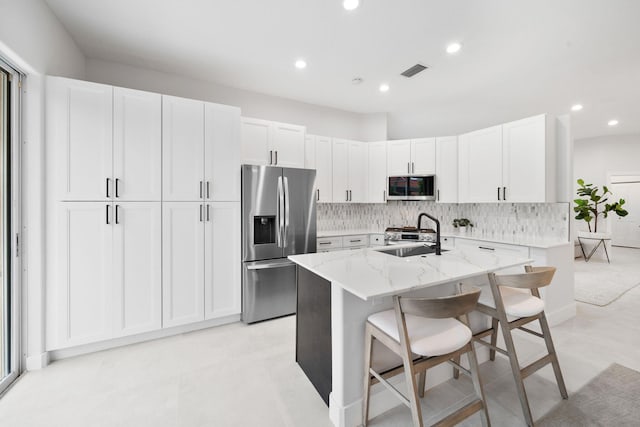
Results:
[610, 399]
[600, 283]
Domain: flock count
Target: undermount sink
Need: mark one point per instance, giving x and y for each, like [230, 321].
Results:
[412, 251]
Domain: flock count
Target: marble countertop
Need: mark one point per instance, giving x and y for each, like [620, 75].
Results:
[531, 242]
[369, 273]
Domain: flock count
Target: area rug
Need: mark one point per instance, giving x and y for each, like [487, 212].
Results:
[600, 283]
[610, 399]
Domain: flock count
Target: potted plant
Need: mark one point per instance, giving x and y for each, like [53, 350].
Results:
[462, 224]
[592, 205]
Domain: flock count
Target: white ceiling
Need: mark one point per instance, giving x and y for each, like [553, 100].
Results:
[518, 58]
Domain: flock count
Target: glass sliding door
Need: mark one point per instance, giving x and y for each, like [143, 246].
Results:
[9, 298]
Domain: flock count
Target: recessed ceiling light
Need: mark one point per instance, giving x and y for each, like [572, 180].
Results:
[613, 122]
[384, 87]
[350, 4]
[357, 80]
[301, 64]
[454, 47]
[576, 107]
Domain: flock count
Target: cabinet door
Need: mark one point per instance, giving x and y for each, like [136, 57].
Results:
[310, 152]
[222, 260]
[222, 152]
[423, 156]
[358, 171]
[288, 145]
[523, 160]
[137, 268]
[377, 182]
[182, 263]
[255, 137]
[480, 165]
[447, 169]
[324, 170]
[399, 157]
[137, 145]
[182, 149]
[79, 139]
[84, 265]
[340, 162]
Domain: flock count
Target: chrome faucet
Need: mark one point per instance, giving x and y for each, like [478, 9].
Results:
[434, 219]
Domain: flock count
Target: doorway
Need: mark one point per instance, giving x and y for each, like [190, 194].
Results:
[625, 231]
[10, 360]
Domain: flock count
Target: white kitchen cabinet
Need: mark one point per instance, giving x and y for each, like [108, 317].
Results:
[513, 162]
[81, 295]
[415, 156]
[318, 157]
[480, 165]
[350, 160]
[528, 160]
[271, 143]
[222, 260]
[182, 149]
[182, 263]
[377, 182]
[447, 169]
[221, 152]
[79, 126]
[137, 145]
[137, 269]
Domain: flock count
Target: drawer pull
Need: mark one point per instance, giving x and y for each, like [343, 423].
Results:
[324, 243]
[355, 241]
[486, 248]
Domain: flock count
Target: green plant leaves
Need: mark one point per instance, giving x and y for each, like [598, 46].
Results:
[588, 209]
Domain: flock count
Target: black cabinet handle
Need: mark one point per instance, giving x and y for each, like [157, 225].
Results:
[117, 214]
[504, 193]
[270, 157]
[117, 187]
[498, 193]
[108, 215]
[438, 195]
[276, 158]
[355, 241]
[208, 214]
[108, 185]
[324, 243]
[486, 248]
[201, 189]
[318, 191]
[208, 185]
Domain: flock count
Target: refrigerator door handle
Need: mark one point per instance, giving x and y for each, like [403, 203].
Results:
[262, 265]
[286, 212]
[279, 212]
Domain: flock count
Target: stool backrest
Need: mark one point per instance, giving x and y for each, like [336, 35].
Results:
[535, 277]
[441, 307]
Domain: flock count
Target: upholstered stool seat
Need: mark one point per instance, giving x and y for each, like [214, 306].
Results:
[517, 303]
[428, 337]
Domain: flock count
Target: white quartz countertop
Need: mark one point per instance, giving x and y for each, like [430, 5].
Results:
[531, 242]
[369, 273]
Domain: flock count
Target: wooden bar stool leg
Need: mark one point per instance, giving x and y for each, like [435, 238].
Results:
[477, 385]
[368, 346]
[544, 325]
[412, 391]
[494, 338]
[422, 378]
[515, 369]
[456, 371]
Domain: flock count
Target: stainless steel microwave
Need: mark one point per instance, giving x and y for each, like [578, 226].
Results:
[411, 187]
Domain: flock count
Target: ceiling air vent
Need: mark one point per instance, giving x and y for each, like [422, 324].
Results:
[410, 72]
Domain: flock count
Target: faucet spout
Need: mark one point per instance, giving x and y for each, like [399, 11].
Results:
[434, 219]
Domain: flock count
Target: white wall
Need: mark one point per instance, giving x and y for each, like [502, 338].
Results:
[34, 41]
[318, 120]
[597, 158]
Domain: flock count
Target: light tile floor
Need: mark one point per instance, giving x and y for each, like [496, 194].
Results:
[246, 376]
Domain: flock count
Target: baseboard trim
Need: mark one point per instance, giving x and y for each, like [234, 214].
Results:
[37, 361]
[134, 339]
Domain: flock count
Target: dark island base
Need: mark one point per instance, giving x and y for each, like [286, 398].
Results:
[313, 330]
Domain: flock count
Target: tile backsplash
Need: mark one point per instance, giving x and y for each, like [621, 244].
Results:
[504, 221]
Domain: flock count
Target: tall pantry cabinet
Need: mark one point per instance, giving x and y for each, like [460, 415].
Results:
[104, 190]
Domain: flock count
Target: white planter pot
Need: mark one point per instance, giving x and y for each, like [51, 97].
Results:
[589, 240]
[462, 230]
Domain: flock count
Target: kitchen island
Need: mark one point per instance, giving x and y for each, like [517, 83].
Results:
[338, 290]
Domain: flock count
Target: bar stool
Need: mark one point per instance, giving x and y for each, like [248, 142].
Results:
[512, 307]
[424, 332]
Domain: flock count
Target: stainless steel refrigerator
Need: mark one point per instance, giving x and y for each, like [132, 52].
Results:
[278, 219]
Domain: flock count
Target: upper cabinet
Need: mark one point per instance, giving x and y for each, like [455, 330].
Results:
[350, 160]
[271, 143]
[513, 162]
[318, 156]
[221, 153]
[411, 157]
[447, 169]
[377, 180]
[201, 158]
[104, 143]
[79, 125]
